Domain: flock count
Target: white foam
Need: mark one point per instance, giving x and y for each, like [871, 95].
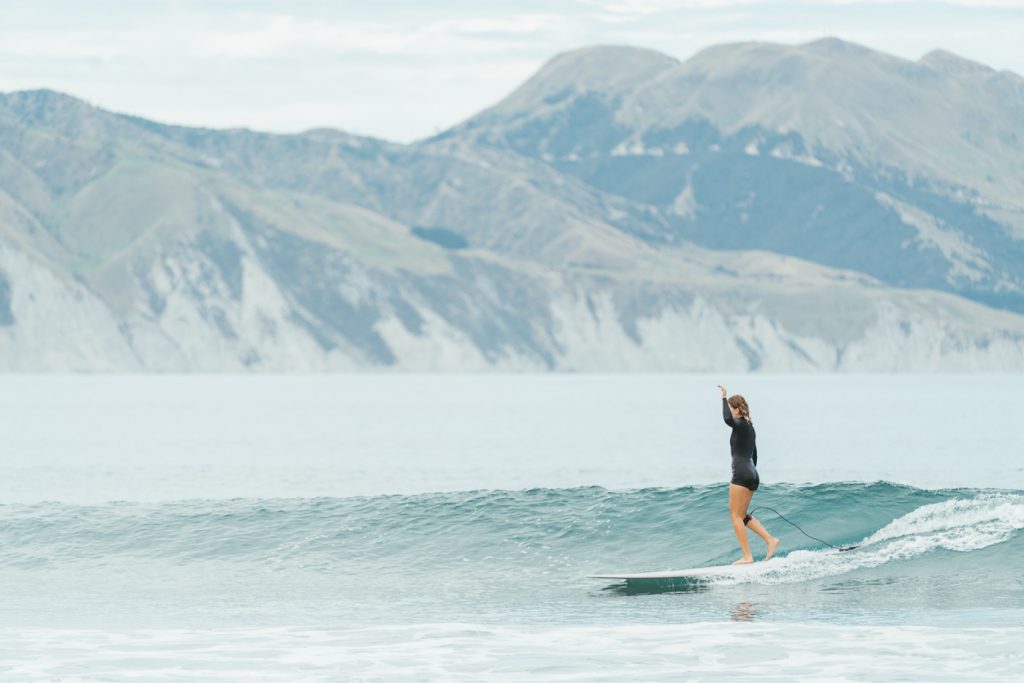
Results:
[959, 525]
[475, 652]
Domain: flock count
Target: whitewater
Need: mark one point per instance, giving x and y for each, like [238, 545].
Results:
[303, 528]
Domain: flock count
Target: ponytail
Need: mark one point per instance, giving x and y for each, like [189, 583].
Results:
[740, 404]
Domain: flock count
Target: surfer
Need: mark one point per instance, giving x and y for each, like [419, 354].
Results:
[744, 475]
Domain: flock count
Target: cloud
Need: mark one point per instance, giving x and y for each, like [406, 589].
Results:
[283, 34]
[642, 8]
[73, 44]
[400, 69]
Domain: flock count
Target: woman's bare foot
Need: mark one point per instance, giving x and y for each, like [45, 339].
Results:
[745, 560]
[772, 545]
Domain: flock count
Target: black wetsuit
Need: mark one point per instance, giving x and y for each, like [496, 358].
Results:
[743, 443]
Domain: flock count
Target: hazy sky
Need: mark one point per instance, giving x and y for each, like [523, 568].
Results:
[404, 69]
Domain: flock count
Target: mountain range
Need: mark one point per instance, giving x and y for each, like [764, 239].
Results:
[820, 207]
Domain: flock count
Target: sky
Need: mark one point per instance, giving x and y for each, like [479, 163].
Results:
[407, 69]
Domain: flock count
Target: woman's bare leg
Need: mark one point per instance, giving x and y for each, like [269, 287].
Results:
[770, 540]
[739, 499]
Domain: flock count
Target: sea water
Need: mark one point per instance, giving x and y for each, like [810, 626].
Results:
[395, 527]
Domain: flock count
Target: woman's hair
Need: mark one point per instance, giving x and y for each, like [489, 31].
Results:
[740, 404]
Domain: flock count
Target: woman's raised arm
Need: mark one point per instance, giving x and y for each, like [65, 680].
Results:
[727, 414]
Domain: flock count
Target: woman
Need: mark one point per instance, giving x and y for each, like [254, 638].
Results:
[744, 475]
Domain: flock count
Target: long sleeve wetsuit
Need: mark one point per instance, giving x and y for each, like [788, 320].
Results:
[743, 444]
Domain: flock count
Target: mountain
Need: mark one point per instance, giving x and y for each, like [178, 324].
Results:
[619, 211]
[911, 172]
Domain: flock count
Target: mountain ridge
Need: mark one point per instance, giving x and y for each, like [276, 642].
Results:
[205, 249]
[965, 176]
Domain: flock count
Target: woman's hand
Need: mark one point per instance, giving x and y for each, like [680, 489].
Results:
[723, 390]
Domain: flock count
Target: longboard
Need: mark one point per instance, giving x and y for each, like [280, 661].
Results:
[695, 573]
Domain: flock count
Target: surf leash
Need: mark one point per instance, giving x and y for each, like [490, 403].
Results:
[764, 507]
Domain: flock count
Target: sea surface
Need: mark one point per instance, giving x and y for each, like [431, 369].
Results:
[439, 527]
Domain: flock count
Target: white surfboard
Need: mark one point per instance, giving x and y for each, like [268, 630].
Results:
[695, 573]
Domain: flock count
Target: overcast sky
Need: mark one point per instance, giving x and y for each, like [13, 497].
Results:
[405, 69]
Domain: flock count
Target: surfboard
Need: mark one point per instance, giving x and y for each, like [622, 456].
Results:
[694, 573]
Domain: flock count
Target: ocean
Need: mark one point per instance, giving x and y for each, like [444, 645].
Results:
[440, 527]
